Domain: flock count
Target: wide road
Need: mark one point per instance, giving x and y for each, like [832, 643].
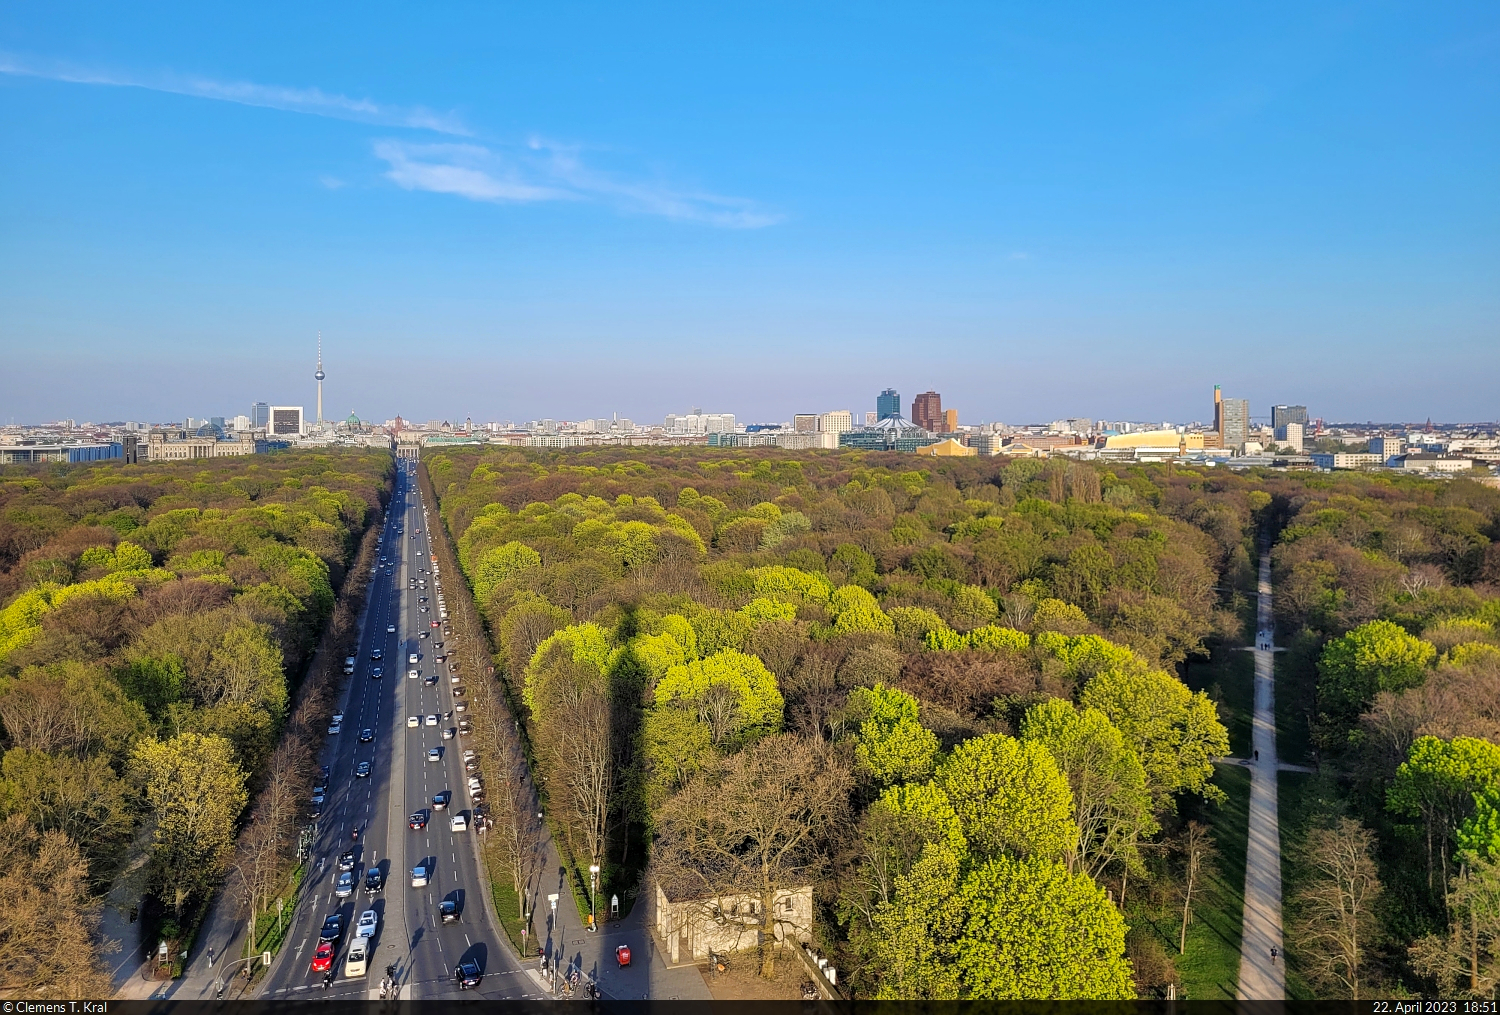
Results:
[401, 609]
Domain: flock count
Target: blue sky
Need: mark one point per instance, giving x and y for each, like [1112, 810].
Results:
[509, 211]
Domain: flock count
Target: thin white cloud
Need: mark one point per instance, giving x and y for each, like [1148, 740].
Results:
[552, 172]
[311, 101]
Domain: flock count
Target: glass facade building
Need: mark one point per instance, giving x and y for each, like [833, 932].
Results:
[887, 404]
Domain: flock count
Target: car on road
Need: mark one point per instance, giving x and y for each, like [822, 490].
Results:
[422, 609]
[419, 875]
[458, 823]
[323, 957]
[425, 634]
[324, 771]
[413, 720]
[362, 770]
[467, 974]
[334, 729]
[366, 735]
[448, 911]
[431, 680]
[345, 886]
[367, 924]
[337, 717]
[432, 720]
[390, 629]
[346, 860]
[440, 800]
[333, 928]
[435, 754]
[358, 959]
[417, 821]
[434, 623]
[375, 672]
[317, 797]
[377, 653]
[449, 733]
[413, 659]
[374, 880]
[413, 674]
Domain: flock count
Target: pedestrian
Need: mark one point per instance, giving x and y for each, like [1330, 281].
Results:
[1273, 955]
[1257, 755]
[210, 956]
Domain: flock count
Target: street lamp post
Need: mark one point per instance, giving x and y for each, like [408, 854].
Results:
[593, 889]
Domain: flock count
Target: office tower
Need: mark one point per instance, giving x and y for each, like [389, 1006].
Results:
[1281, 415]
[241, 423]
[286, 421]
[260, 416]
[887, 404]
[1387, 447]
[805, 422]
[950, 421]
[1233, 418]
[1290, 435]
[927, 411]
[838, 421]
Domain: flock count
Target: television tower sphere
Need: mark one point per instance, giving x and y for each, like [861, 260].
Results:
[319, 375]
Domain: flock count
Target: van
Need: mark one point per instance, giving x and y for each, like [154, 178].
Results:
[359, 957]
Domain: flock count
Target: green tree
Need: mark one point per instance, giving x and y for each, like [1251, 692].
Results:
[1010, 796]
[80, 797]
[890, 744]
[1176, 732]
[732, 692]
[914, 931]
[1465, 962]
[1378, 656]
[675, 745]
[1111, 806]
[854, 609]
[1441, 781]
[1033, 931]
[196, 793]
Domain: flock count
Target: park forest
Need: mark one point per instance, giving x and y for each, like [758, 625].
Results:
[990, 711]
[156, 624]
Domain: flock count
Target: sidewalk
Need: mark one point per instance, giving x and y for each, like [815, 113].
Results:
[1261, 979]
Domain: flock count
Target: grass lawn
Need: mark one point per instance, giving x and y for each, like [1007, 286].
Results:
[1228, 677]
[508, 909]
[1210, 970]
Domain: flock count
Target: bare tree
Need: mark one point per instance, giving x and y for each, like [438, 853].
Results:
[757, 823]
[1336, 924]
[1198, 854]
[1466, 961]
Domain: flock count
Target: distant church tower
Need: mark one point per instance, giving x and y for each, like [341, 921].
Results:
[319, 377]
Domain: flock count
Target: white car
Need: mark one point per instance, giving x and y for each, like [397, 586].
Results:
[390, 629]
[413, 720]
[413, 659]
[458, 823]
[413, 674]
[334, 729]
[432, 720]
[448, 734]
[435, 754]
[368, 922]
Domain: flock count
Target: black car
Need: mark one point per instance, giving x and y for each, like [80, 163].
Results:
[374, 880]
[333, 927]
[448, 910]
[467, 974]
[417, 821]
[346, 861]
[376, 653]
[440, 800]
[324, 771]
[362, 769]
[366, 735]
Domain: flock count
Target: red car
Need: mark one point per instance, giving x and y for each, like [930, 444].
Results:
[323, 960]
[622, 955]
[434, 623]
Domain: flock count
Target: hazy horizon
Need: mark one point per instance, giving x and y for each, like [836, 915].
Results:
[1046, 211]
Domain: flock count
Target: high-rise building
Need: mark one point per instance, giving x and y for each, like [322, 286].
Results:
[838, 421]
[1281, 415]
[260, 416]
[805, 422]
[950, 421]
[1231, 420]
[286, 421]
[1290, 435]
[927, 411]
[887, 404]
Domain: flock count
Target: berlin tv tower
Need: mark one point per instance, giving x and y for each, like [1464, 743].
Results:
[319, 377]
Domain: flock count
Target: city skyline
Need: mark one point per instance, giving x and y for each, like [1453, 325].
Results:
[1102, 214]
